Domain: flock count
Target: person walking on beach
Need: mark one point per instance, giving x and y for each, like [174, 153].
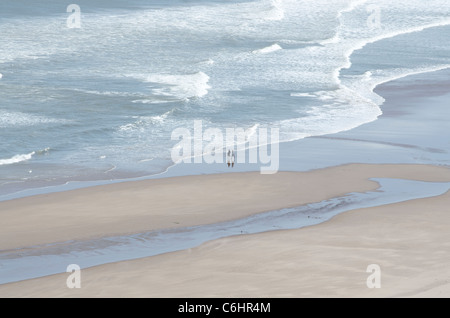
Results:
[232, 158]
[229, 157]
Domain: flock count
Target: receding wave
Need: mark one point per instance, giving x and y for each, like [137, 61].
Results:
[268, 49]
[180, 87]
[17, 159]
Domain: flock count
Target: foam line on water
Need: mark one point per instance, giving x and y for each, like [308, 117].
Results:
[10, 119]
[268, 49]
[17, 159]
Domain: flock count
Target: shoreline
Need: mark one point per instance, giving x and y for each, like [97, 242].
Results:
[134, 207]
[181, 169]
[283, 189]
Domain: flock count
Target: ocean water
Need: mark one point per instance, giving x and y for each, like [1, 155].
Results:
[100, 102]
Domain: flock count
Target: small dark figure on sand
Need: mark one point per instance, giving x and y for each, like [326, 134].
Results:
[232, 158]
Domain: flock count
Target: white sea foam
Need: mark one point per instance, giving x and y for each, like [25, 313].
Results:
[348, 41]
[355, 102]
[152, 101]
[268, 49]
[346, 111]
[207, 62]
[108, 93]
[182, 87]
[350, 7]
[17, 159]
[357, 91]
[143, 122]
[251, 52]
[302, 95]
[358, 45]
[367, 76]
[18, 119]
[365, 84]
[276, 11]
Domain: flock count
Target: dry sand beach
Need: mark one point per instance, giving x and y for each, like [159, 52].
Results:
[408, 240]
[133, 207]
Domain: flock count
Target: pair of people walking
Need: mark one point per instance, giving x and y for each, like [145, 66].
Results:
[230, 158]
